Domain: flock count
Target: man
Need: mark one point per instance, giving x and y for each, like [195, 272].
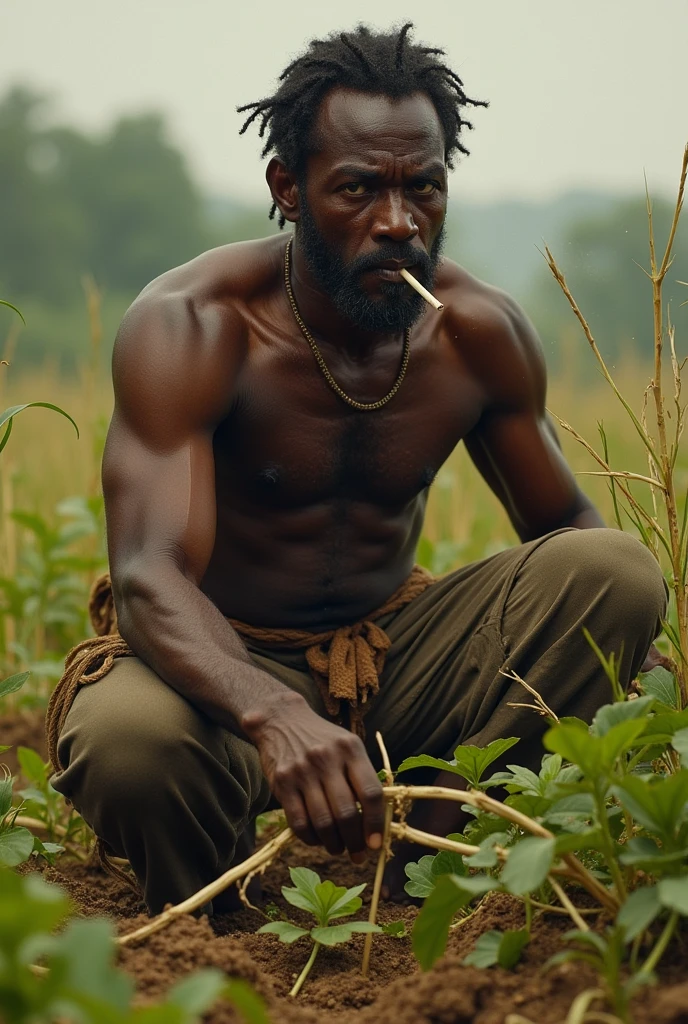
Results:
[281, 409]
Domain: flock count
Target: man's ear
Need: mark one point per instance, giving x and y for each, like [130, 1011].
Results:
[284, 190]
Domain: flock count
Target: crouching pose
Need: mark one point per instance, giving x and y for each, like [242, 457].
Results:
[282, 407]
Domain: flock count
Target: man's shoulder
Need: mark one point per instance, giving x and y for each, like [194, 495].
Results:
[484, 320]
[208, 294]
[474, 305]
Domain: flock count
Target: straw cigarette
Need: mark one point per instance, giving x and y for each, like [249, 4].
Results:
[417, 286]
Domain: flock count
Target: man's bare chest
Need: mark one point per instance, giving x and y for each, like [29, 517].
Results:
[291, 442]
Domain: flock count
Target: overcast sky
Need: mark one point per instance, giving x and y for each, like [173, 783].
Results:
[584, 93]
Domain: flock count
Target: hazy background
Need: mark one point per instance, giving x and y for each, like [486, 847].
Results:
[119, 152]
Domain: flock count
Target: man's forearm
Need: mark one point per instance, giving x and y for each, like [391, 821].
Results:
[172, 626]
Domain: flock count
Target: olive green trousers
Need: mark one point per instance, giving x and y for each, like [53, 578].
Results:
[171, 791]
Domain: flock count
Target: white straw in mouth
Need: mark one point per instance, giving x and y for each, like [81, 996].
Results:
[417, 286]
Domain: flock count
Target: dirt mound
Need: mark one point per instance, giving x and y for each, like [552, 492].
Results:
[396, 992]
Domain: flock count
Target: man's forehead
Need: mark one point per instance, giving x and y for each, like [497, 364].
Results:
[353, 124]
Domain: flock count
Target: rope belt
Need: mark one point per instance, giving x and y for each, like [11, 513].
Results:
[346, 662]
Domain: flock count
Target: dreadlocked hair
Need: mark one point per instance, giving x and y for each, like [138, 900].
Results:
[373, 62]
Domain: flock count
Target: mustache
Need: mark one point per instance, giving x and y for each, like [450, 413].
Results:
[423, 265]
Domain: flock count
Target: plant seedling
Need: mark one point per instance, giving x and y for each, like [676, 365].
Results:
[326, 902]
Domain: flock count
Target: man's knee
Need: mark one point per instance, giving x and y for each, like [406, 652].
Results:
[128, 738]
[590, 564]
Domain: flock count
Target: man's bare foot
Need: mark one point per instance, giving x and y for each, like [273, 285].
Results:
[229, 901]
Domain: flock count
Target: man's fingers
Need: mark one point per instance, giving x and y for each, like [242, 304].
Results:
[321, 818]
[347, 816]
[368, 790]
[297, 818]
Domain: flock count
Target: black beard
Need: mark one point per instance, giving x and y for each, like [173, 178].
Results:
[399, 307]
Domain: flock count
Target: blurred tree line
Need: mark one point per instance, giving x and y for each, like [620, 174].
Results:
[122, 207]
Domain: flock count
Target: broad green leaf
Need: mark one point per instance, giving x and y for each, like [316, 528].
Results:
[431, 927]
[246, 1001]
[422, 880]
[525, 781]
[660, 728]
[32, 765]
[511, 947]
[303, 895]
[494, 947]
[302, 900]
[348, 903]
[571, 813]
[446, 862]
[621, 738]
[660, 684]
[643, 852]
[86, 954]
[550, 767]
[476, 885]
[486, 857]
[528, 864]
[47, 850]
[570, 842]
[673, 894]
[680, 744]
[572, 740]
[395, 928]
[472, 762]
[594, 754]
[197, 992]
[660, 804]
[333, 934]
[425, 761]
[13, 683]
[486, 952]
[639, 911]
[285, 930]
[16, 846]
[532, 806]
[610, 715]
[327, 894]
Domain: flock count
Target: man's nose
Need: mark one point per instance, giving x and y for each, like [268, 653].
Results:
[393, 218]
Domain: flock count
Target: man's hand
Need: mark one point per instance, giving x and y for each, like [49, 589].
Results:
[318, 772]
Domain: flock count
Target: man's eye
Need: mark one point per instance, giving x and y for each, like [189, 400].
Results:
[354, 188]
[423, 188]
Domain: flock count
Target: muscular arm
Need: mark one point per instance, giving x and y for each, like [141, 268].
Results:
[514, 445]
[174, 371]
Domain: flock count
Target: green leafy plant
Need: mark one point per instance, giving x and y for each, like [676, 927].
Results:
[16, 842]
[47, 810]
[326, 902]
[77, 979]
[46, 598]
[615, 792]
[495, 947]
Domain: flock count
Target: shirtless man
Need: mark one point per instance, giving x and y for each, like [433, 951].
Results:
[243, 484]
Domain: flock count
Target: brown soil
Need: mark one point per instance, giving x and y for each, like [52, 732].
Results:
[335, 993]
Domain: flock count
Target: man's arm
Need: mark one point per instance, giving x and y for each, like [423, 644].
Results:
[173, 372]
[514, 445]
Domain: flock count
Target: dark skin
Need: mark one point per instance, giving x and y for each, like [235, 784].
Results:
[238, 485]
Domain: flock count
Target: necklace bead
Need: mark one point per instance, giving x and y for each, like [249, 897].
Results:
[361, 406]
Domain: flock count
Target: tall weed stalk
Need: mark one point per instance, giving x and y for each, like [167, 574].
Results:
[662, 520]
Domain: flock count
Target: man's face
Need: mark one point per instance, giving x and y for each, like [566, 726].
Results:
[373, 199]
